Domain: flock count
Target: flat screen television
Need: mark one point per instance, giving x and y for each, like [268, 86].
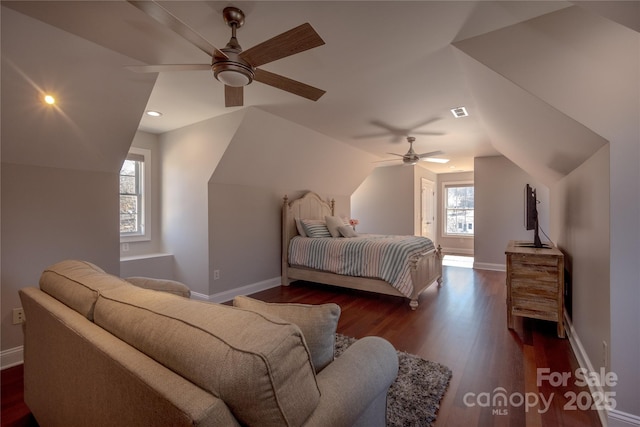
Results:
[531, 215]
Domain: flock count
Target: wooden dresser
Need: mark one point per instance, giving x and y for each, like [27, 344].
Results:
[535, 283]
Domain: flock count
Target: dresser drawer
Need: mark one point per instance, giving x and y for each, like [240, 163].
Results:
[528, 260]
[539, 308]
[535, 288]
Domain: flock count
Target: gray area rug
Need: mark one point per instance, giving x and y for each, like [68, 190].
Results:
[414, 397]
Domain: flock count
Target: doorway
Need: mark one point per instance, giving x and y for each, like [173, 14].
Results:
[427, 211]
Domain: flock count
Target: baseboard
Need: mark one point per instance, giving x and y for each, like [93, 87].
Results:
[11, 357]
[457, 251]
[613, 418]
[244, 290]
[622, 419]
[489, 266]
[584, 362]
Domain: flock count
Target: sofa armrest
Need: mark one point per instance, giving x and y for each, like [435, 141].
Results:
[354, 386]
[170, 286]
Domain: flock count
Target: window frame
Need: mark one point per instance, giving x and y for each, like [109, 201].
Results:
[445, 186]
[145, 198]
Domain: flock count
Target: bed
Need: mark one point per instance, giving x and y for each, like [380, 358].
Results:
[421, 267]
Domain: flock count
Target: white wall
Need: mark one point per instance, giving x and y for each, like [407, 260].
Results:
[60, 164]
[580, 219]
[384, 202]
[539, 60]
[499, 209]
[49, 215]
[189, 157]
[223, 183]
[276, 158]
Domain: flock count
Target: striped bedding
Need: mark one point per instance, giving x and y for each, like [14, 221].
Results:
[371, 255]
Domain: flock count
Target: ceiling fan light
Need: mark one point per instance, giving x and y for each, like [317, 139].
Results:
[435, 160]
[232, 74]
[233, 78]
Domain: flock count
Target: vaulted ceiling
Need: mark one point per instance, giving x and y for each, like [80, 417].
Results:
[528, 73]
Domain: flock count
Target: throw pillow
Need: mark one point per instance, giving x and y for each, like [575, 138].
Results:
[333, 224]
[315, 228]
[347, 231]
[318, 324]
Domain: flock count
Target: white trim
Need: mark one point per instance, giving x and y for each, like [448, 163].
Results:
[146, 196]
[584, 362]
[444, 184]
[622, 419]
[244, 290]
[12, 357]
[457, 251]
[489, 266]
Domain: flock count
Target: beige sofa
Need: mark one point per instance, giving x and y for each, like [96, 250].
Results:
[100, 351]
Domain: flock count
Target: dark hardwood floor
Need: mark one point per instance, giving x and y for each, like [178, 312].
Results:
[461, 324]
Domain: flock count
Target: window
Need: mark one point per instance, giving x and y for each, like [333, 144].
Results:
[134, 181]
[458, 206]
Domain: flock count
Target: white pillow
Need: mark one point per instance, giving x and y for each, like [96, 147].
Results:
[347, 231]
[333, 223]
[300, 228]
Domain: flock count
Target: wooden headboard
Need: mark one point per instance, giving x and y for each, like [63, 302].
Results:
[309, 206]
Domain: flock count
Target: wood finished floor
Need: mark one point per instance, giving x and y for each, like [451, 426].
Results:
[461, 324]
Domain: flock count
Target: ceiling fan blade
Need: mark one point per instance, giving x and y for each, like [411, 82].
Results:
[168, 67]
[372, 135]
[426, 122]
[286, 84]
[431, 154]
[233, 96]
[395, 154]
[165, 17]
[428, 133]
[296, 40]
[387, 160]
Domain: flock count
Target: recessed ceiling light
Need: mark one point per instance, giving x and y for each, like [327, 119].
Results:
[452, 167]
[435, 160]
[153, 113]
[49, 99]
[459, 112]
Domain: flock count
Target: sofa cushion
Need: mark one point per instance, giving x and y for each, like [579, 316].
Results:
[77, 284]
[318, 324]
[164, 285]
[259, 366]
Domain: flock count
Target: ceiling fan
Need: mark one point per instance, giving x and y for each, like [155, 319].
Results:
[231, 65]
[397, 132]
[411, 157]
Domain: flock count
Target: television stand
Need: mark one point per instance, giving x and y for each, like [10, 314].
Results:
[535, 283]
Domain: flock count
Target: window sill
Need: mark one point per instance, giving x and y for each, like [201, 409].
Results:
[144, 256]
[131, 239]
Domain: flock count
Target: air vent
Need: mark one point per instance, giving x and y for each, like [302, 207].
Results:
[459, 112]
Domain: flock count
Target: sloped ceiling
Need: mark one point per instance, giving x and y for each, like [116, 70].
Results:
[389, 68]
[98, 110]
[555, 89]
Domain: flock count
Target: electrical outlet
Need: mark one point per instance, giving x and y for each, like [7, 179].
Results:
[125, 247]
[18, 316]
[216, 274]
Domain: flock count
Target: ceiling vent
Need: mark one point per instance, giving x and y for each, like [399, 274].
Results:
[459, 112]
